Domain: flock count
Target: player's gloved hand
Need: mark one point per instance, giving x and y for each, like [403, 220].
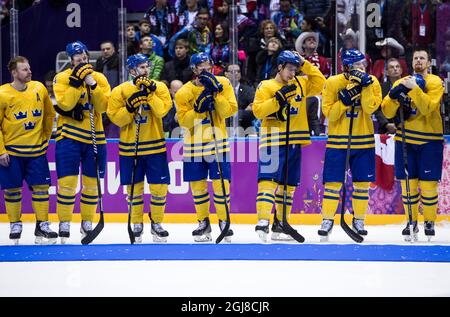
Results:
[210, 82]
[204, 102]
[75, 113]
[78, 74]
[406, 105]
[285, 94]
[282, 113]
[145, 83]
[350, 94]
[395, 92]
[136, 100]
[360, 77]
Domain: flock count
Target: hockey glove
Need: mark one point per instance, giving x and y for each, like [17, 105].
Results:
[148, 84]
[204, 102]
[78, 74]
[285, 93]
[360, 77]
[397, 90]
[210, 82]
[282, 113]
[136, 100]
[405, 103]
[350, 94]
[76, 113]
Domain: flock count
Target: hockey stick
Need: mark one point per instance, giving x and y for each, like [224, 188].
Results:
[222, 182]
[91, 235]
[286, 226]
[352, 234]
[405, 166]
[133, 174]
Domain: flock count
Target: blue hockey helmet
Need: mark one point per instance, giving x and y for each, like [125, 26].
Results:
[199, 58]
[288, 57]
[351, 56]
[76, 47]
[135, 60]
[420, 81]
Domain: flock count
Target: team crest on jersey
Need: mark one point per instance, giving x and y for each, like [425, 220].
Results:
[293, 111]
[298, 98]
[38, 98]
[21, 115]
[29, 125]
[37, 113]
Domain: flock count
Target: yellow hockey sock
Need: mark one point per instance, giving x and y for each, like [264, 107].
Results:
[265, 199]
[158, 201]
[66, 197]
[13, 203]
[39, 201]
[360, 198]
[89, 198]
[331, 197]
[201, 198]
[279, 196]
[414, 197]
[137, 209]
[429, 197]
[219, 199]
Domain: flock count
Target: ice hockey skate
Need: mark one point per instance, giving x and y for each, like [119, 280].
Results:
[138, 231]
[64, 231]
[278, 234]
[15, 232]
[43, 233]
[262, 229]
[325, 229]
[358, 226]
[229, 234]
[158, 233]
[86, 227]
[429, 230]
[203, 231]
[406, 232]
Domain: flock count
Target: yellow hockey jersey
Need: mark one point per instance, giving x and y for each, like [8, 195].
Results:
[26, 120]
[68, 97]
[151, 134]
[339, 114]
[425, 123]
[198, 137]
[273, 131]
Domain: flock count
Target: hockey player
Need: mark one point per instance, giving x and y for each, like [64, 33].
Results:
[353, 88]
[26, 120]
[78, 91]
[420, 96]
[148, 101]
[194, 100]
[274, 97]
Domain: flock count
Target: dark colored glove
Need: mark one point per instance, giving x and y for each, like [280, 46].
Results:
[405, 103]
[204, 102]
[395, 92]
[285, 93]
[76, 113]
[136, 100]
[350, 94]
[210, 82]
[78, 74]
[148, 84]
[360, 77]
[282, 113]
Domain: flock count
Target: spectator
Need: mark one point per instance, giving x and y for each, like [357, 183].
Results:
[315, 8]
[178, 67]
[306, 45]
[268, 30]
[350, 39]
[220, 49]
[288, 21]
[422, 28]
[144, 30]
[156, 62]
[244, 95]
[108, 63]
[389, 48]
[266, 60]
[163, 21]
[188, 13]
[132, 43]
[200, 37]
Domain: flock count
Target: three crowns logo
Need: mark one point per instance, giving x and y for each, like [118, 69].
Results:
[30, 125]
[20, 115]
[37, 113]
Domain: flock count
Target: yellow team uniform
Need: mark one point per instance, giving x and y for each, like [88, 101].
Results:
[151, 148]
[273, 137]
[26, 120]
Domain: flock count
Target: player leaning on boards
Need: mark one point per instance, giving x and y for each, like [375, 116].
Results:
[204, 95]
[419, 97]
[358, 93]
[74, 143]
[26, 120]
[273, 99]
[147, 101]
